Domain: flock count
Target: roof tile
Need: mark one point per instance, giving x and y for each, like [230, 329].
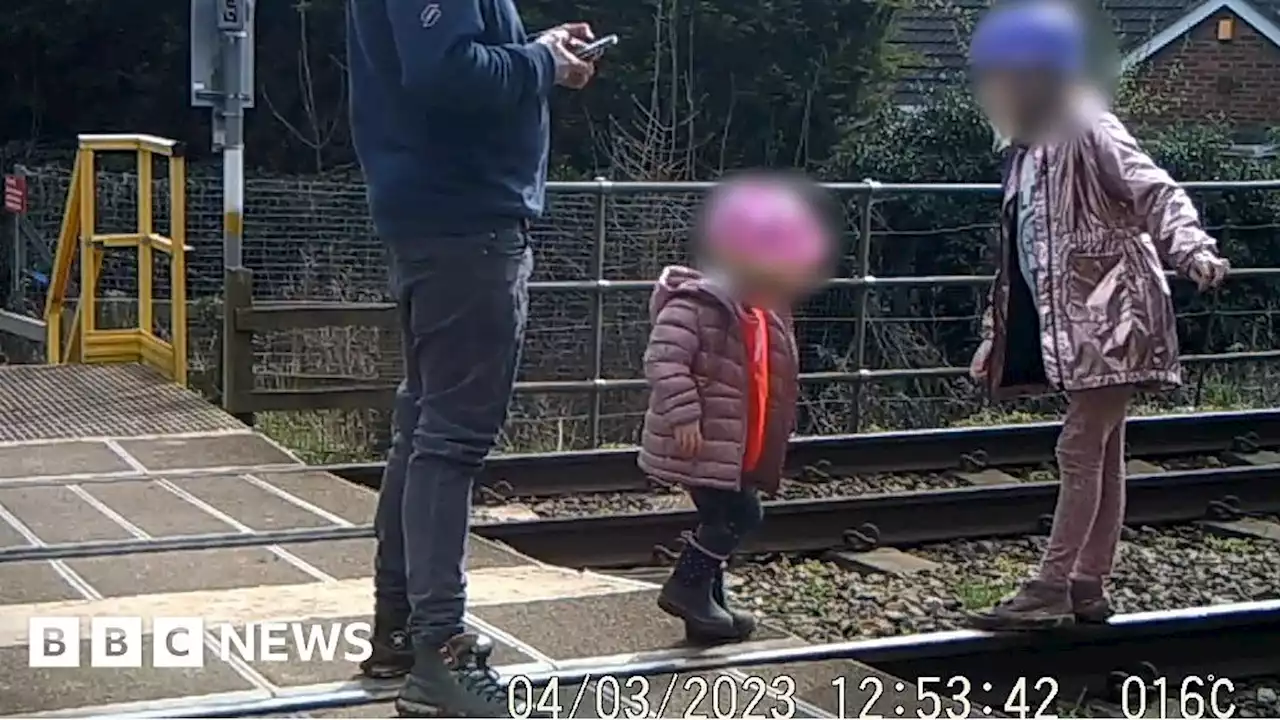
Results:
[934, 33]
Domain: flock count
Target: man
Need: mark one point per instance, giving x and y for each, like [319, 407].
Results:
[450, 121]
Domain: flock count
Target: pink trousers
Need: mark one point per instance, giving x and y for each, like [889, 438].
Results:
[1090, 512]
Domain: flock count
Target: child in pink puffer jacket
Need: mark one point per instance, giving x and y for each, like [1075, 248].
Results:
[722, 368]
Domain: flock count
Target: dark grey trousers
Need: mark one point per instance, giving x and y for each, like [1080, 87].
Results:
[463, 304]
[726, 517]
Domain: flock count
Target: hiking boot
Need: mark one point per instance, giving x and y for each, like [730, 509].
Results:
[454, 681]
[689, 595]
[744, 623]
[392, 652]
[1039, 605]
[1089, 601]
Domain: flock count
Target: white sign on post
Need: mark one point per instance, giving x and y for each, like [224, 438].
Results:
[231, 15]
[209, 20]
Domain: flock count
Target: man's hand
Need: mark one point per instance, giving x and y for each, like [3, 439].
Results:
[979, 365]
[581, 32]
[689, 440]
[571, 71]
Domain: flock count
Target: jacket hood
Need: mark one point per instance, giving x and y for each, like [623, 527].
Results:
[673, 279]
[677, 280]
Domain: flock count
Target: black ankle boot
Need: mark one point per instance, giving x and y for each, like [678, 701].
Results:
[743, 621]
[689, 595]
[392, 652]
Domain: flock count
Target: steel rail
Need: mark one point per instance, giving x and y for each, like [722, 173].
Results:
[862, 187]
[793, 526]
[562, 473]
[105, 478]
[897, 519]
[609, 285]
[855, 377]
[1234, 640]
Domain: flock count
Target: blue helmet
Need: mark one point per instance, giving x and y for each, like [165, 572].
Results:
[1036, 35]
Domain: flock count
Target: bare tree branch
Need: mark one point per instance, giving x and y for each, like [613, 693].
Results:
[317, 128]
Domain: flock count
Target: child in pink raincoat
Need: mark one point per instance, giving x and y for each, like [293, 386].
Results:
[1080, 303]
[722, 368]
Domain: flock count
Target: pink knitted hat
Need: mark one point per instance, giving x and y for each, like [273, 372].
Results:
[766, 222]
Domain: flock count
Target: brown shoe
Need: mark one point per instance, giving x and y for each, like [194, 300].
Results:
[1089, 601]
[1039, 605]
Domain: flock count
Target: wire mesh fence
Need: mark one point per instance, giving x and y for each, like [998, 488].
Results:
[311, 239]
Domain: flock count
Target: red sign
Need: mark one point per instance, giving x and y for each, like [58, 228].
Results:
[15, 193]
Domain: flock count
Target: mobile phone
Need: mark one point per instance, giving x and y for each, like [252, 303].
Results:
[593, 50]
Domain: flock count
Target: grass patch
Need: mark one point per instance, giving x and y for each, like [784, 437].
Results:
[321, 437]
[1228, 545]
[1004, 577]
[820, 589]
[331, 436]
[1216, 399]
[982, 594]
[997, 416]
[1042, 474]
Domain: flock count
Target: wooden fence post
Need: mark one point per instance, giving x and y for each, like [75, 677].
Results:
[237, 345]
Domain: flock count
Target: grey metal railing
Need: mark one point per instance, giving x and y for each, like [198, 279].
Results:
[863, 281]
[246, 316]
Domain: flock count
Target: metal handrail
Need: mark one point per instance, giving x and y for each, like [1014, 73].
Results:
[79, 238]
[862, 281]
[601, 186]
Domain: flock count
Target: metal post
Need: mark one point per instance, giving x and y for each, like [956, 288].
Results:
[597, 310]
[863, 297]
[17, 296]
[146, 254]
[222, 79]
[233, 22]
[90, 252]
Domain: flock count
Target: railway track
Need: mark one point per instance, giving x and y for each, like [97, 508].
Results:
[599, 471]
[1116, 661]
[1129, 653]
[898, 519]
[1111, 669]
[857, 523]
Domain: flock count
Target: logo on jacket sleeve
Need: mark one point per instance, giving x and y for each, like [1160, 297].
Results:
[430, 15]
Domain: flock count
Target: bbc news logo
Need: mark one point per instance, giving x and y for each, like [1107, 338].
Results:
[181, 642]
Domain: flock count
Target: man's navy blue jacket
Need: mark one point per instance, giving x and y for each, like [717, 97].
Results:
[448, 115]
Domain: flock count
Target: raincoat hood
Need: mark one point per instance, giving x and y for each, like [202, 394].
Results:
[677, 280]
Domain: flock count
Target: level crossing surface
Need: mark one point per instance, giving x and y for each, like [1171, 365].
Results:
[116, 452]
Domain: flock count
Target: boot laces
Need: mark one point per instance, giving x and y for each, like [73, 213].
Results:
[474, 674]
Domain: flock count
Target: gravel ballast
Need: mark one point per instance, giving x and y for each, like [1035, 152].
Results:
[812, 484]
[1158, 569]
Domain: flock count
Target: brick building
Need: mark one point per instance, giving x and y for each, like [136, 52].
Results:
[1195, 57]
